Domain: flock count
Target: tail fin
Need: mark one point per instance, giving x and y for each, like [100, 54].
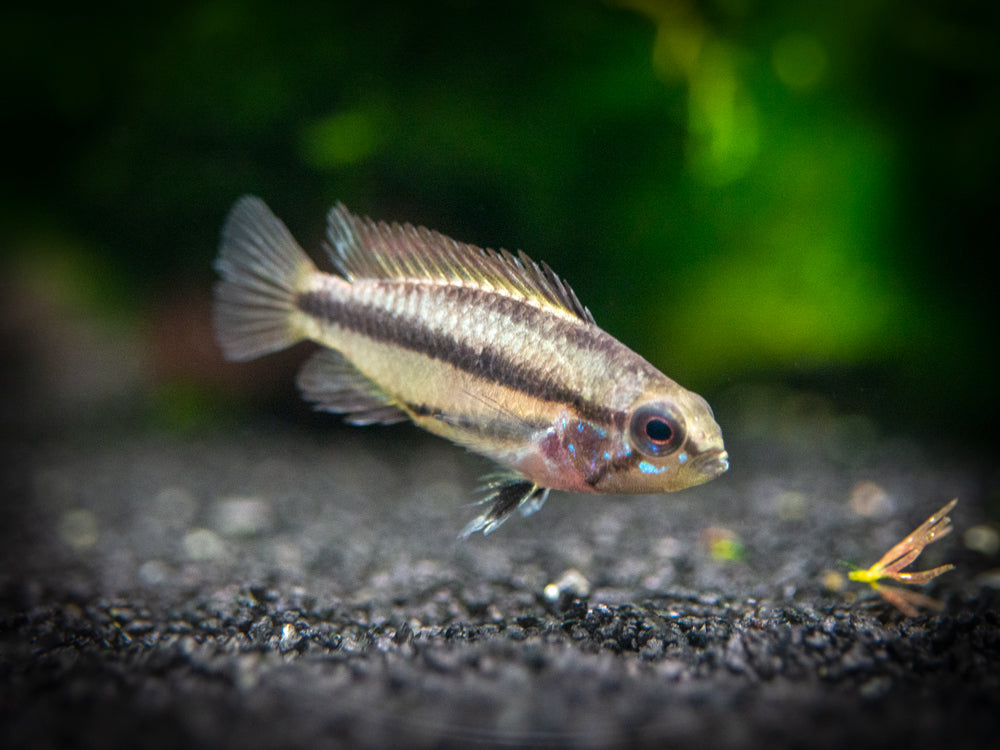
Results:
[262, 269]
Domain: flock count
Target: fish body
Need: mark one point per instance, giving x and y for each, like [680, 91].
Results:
[487, 349]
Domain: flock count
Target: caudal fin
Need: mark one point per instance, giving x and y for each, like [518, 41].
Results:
[262, 269]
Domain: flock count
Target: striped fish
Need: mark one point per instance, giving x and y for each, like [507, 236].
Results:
[488, 349]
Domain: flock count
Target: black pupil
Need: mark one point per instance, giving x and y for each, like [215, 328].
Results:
[658, 430]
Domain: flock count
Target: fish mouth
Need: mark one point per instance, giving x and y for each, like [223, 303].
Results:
[713, 462]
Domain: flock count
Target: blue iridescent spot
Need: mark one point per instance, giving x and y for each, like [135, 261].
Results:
[647, 468]
[571, 448]
[682, 457]
[607, 456]
[579, 427]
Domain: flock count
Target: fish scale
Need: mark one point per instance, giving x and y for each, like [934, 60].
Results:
[488, 349]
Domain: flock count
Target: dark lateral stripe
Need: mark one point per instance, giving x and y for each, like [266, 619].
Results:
[517, 431]
[487, 363]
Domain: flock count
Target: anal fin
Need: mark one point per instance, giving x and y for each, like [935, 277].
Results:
[506, 492]
[333, 384]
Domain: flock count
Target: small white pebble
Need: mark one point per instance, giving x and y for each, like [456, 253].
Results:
[78, 528]
[241, 516]
[289, 637]
[982, 538]
[668, 546]
[202, 544]
[870, 500]
[153, 573]
[791, 505]
[570, 582]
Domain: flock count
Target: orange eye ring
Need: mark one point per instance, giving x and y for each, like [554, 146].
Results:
[656, 430]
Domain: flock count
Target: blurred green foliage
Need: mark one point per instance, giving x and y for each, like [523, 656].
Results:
[736, 188]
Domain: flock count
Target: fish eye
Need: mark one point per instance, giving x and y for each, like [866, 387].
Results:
[656, 431]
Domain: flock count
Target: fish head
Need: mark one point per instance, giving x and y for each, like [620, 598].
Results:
[668, 440]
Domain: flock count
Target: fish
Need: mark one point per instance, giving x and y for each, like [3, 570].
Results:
[485, 348]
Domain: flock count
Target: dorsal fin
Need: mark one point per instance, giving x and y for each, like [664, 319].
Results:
[363, 249]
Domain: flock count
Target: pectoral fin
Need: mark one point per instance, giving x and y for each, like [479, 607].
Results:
[507, 491]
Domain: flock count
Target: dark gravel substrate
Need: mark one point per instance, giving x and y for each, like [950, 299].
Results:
[264, 587]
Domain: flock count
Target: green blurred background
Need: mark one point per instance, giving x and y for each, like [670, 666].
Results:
[783, 192]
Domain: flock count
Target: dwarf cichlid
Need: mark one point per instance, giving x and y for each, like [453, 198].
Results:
[490, 350]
